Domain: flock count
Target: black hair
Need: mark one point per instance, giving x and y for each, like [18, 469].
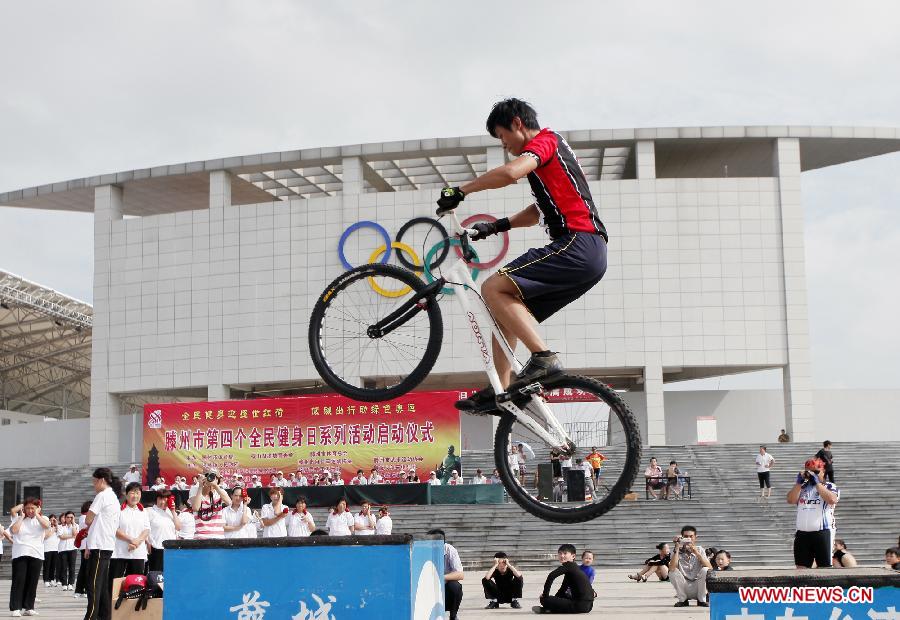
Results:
[764, 448]
[585, 552]
[164, 493]
[826, 443]
[893, 550]
[567, 548]
[727, 555]
[501, 555]
[503, 113]
[661, 545]
[437, 532]
[131, 486]
[105, 473]
[710, 552]
[300, 498]
[673, 462]
[359, 471]
[85, 507]
[840, 541]
[688, 528]
[319, 532]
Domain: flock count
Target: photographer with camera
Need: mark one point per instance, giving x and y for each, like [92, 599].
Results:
[207, 506]
[815, 500]
[273, 515]
[688, 568]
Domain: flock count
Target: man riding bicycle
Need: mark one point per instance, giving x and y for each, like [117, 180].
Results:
[542, 281]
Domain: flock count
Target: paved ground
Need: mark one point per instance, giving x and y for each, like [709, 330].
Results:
[619, 599]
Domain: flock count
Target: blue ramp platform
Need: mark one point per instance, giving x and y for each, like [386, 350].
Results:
[810, 594]
[399, 577]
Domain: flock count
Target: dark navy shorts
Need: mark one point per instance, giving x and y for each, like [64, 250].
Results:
[552, 277]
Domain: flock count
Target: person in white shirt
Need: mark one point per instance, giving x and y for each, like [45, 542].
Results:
[273, 515]
[302, 480]
[66, 532]
[411, 477]
[433, 480]
[300, 523]
[254, 482]
[102, 520]
[455, 478]
[764, 462]
[195, 487]
[159, 485]
[815, 500]
[81, 578]
[132, 475]
[279, 480]
[185, 525]
[237, 517]
[359, 478]
[340, 522]
[375, 477]
[51, 553]
[162, 528]
[479, 478]
[565, 463]
[27, 530]
[364, 521]
[513, 459]
[588, 470]
[291, 480]
[495, 477]
[130, 553]
[182, 484]
[336, 479]
[384, 525]
[238, 482]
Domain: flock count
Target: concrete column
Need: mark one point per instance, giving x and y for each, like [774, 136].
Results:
[218, 392]
[352, 175]
[496, 157]
[219, 189]
[105, 407]
[798, 401]
[656, 411]
[645, 159]
[219, 202]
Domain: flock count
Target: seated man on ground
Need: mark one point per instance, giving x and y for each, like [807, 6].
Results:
[655, 565]
[502, 583]
[575, 596]
[688, 568]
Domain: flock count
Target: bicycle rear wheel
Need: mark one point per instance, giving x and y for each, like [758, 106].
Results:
[595, 417]
[365, 364]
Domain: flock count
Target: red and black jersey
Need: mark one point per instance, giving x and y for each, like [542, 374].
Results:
[559, 187]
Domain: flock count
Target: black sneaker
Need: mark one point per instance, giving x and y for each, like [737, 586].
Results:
[539, 610]
[539, 367]
[481, 401]
[493, 605]
[702, 604]
[682, 604]
[515, 605]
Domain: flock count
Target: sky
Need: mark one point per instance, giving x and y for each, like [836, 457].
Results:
[88, 88]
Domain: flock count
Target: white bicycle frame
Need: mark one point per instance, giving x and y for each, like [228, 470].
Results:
[461, 282]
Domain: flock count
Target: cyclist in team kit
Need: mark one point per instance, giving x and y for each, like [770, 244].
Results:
[542, 281]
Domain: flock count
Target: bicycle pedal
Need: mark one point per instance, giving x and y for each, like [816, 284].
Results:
[532, 388]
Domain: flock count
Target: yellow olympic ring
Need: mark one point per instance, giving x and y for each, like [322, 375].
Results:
[397, 245]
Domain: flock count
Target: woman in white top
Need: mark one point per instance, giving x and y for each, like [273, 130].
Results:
[300, 523]
[102, 520]
[51, 551]
[81, 579]
[162, 528]
[364, 522]
[340, 522]
[65, 561]
[433, 480]
[273, 515]
[207, 505]
[184, 523]
[237, 517]
[384, 525]
[130, 554]
[27, 532]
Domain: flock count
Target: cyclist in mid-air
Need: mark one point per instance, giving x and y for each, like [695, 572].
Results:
[544, 280]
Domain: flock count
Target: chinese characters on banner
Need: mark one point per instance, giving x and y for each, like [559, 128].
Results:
[310, 434]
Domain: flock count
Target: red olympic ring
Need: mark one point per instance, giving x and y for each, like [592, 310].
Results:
[483, 217]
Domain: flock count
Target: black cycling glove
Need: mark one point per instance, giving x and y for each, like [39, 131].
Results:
[450, 199]
[486, 229]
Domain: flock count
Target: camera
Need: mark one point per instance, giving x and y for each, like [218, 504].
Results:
[211, 476]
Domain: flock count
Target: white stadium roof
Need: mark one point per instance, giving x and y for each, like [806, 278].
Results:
[432, 163]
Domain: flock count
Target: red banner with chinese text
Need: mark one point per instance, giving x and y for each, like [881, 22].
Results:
[310, 434]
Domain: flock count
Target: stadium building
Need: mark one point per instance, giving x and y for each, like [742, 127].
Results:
[206, 273]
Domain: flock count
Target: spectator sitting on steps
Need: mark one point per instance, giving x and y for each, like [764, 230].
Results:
[688, 568]
[655, 565]
[479, 478]
[723, 560]
[892, 558]
[784, 437]
[454, 478]
[840, 557]
[653, 476]
[502, 583]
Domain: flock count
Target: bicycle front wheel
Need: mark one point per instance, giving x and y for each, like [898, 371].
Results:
[599, 422]
[375, 364]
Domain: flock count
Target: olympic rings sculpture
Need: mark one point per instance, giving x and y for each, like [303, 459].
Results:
[434, 257]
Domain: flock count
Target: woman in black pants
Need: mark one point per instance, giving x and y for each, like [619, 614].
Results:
[130, 554]
[28, 554]
[65, 561]
[51, 551]
[102, 520]
[81, 579]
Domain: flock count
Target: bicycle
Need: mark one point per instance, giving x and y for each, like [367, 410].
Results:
[376, 332]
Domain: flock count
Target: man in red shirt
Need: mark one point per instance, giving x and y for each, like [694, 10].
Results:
[544, 280]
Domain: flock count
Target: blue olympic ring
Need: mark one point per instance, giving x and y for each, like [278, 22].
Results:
[364, 224]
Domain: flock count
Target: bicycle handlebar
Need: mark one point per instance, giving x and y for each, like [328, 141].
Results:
[463, 234]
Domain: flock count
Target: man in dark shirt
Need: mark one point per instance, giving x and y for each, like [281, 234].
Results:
[502, 583]
[828, 459]
[575, 596]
